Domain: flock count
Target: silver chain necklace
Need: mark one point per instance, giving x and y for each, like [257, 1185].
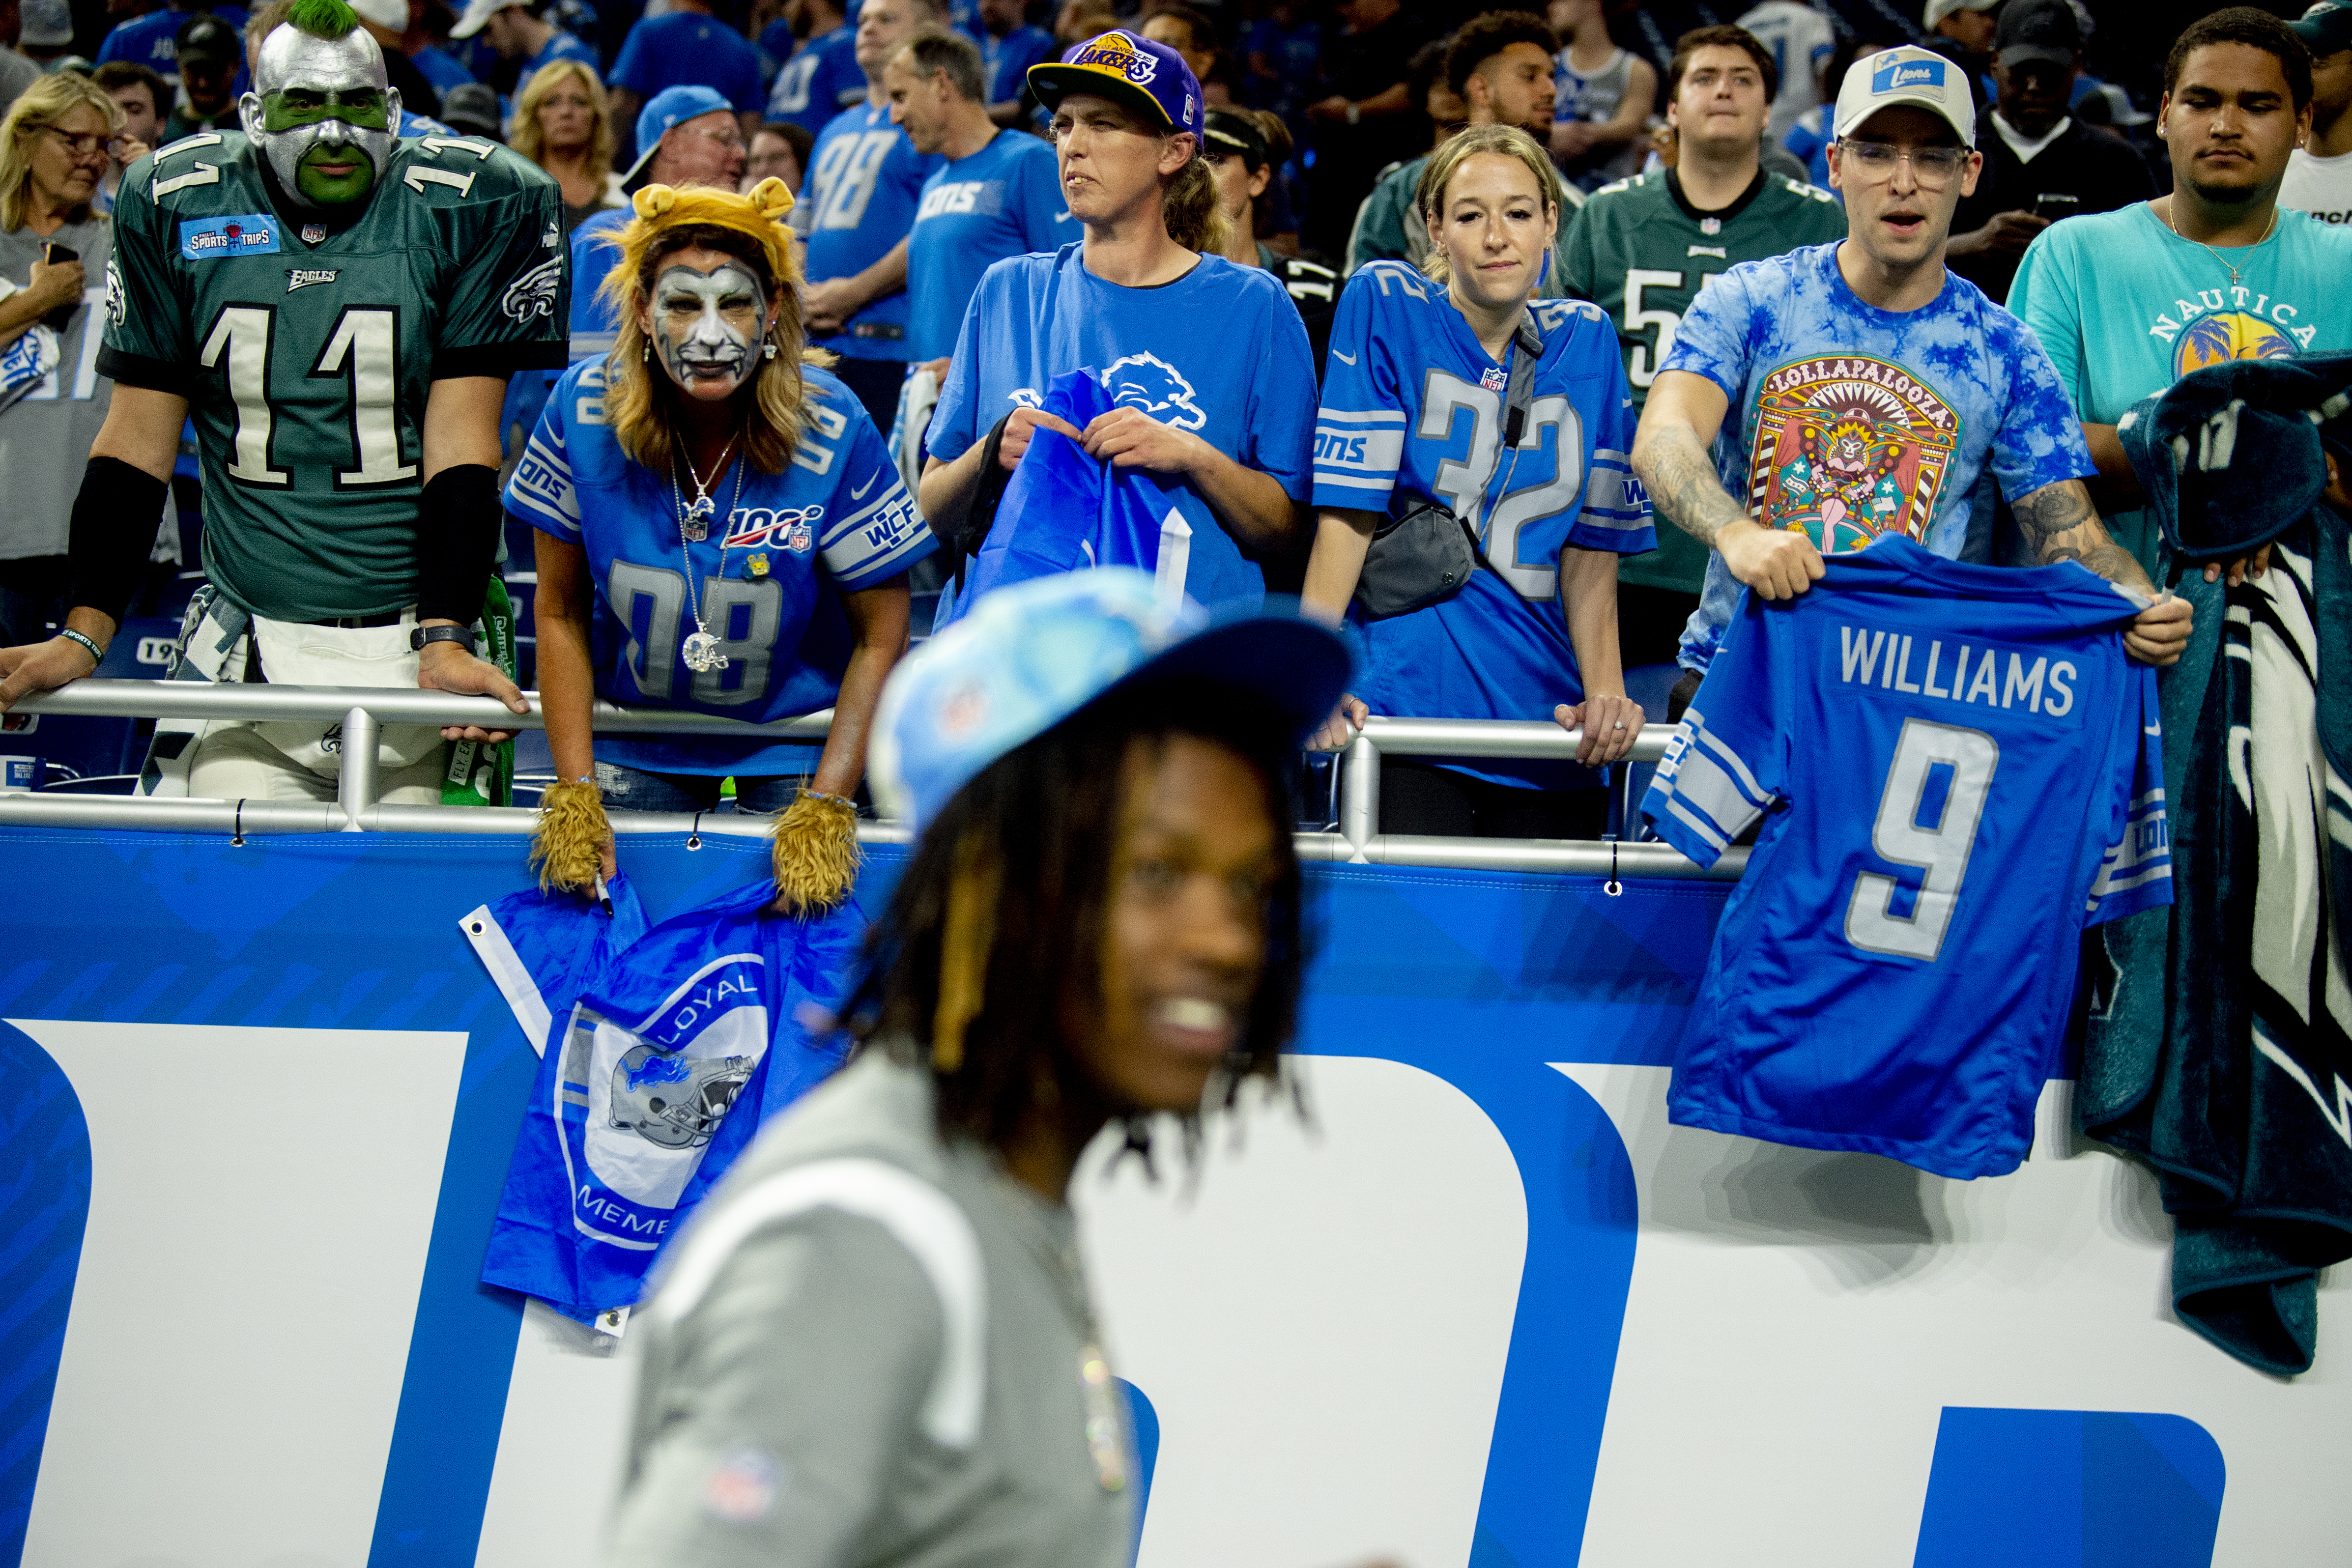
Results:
[2216, 255]
[700, 649]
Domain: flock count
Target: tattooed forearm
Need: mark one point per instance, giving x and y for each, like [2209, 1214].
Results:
[1674, 465]
[2059, 523]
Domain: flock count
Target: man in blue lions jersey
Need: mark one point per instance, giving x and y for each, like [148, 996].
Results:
[1957, 772]
[995, 192]
[822, 78]
[865, 181]
[1008, 47]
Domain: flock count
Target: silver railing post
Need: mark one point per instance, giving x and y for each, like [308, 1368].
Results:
[356, 793]
[1360, 796]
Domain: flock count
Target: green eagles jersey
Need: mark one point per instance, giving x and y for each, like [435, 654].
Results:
[306, 349]
[1639, 251]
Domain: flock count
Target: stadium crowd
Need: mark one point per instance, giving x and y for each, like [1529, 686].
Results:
[1234, 214]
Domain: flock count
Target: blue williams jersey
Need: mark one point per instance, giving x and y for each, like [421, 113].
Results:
[1957, 772]
[767, 580]
[662, 1051]
[1848, 421]
[1412, 412]
[865, 181]
[818, 82]
[1220, 353]
[1004, 62]
[1004, 200]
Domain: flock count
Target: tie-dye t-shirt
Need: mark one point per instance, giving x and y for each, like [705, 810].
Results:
[1852, 422]
[2126, 308]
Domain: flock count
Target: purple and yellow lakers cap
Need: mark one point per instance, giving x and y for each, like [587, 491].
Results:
[1150, 78]
[1030, 656]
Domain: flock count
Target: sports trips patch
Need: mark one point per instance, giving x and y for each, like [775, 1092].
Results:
[241, 233]
[1848, 448]
[663, 1051]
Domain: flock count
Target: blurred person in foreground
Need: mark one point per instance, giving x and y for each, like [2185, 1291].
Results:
[2319, 172]
[1828, 460]
[2128, 302]
[563, 123]
[1501, 66]
[1205, 362]
[1246, 149]
[721, 531]
[55, 146]
[1642, 250]
[1536, 474]
[2037, 150]
[874, 1343]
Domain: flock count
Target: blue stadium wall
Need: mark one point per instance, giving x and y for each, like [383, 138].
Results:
[1481, 1306]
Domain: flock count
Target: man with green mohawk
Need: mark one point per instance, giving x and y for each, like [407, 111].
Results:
[339, 309]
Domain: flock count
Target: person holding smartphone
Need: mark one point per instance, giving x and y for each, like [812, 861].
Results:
[2041, 163]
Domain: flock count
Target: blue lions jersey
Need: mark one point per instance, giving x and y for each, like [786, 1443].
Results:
[766, 579]
[1412, 412]
[1893, 973]
[819, 82]
[662, 1051]
[865, 182]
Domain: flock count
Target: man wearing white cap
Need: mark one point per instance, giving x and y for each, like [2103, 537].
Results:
[520, 30]
[1966, 26]
[2319, 172]
[1871, 386]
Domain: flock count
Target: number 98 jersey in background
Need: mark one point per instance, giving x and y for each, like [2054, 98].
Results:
[1412, 411]
[1959, 772]
[306, 346]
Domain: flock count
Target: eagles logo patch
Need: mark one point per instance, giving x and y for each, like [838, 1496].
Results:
[533, 294]
[116, 304]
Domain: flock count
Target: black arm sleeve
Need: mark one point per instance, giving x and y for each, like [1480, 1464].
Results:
[114, 521]
[457, 542]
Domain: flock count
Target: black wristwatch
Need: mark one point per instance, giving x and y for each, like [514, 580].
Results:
[424, 635]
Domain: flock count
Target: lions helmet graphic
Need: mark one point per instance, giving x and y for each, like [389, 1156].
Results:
[675, 1100]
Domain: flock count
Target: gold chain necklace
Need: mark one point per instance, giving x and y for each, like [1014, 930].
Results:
[2216, 255]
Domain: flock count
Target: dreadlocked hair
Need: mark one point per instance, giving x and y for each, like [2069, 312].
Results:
[639, 396]
[990, 955]
[328, 19]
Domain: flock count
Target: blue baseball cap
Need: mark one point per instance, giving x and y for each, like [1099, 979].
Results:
[671, 105]
[1029, 657]
[1127, 68]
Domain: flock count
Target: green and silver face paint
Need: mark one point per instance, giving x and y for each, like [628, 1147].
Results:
[321, 114]
[708, 327]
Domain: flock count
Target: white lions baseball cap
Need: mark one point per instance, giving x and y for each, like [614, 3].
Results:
[1918, 78]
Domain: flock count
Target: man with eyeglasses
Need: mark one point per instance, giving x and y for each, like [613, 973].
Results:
[2128, 302]
[1872, 386]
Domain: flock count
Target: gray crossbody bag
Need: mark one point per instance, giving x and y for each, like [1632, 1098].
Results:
[1426, 557]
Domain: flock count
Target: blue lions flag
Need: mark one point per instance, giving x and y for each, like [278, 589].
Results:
[661, 1052]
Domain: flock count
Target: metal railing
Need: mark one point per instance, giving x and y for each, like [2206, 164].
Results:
[364, 711]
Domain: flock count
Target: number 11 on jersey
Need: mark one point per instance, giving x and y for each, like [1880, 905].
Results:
[1931, 760]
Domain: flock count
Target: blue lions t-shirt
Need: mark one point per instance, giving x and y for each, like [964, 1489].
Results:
[1958, 772]
[766, 579]
[687, 49]
[865, 181]
[1004, 200]
[1414, 412]
[1004, 62]
[819, 82]
[1220, 353]
[1848, 421]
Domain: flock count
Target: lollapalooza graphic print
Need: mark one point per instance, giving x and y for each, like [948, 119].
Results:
[1848, 448]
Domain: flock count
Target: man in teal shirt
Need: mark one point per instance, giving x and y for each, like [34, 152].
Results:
[2128, 302]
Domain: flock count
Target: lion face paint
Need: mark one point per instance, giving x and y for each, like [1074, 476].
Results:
[707, 327]
[322, 113]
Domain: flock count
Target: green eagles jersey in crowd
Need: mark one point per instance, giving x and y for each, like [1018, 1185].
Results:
[1641, 252]
[306, 344]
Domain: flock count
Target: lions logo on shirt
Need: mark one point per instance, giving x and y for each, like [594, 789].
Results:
[1147, 383]
[1848, 448]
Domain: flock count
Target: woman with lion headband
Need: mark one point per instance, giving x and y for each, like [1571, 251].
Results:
[721, 530]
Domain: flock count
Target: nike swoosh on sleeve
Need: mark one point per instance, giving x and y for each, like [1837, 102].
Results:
[1062, 217]
[859, 494]
[1343, 359]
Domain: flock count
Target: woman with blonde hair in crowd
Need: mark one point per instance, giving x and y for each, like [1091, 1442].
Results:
[56, 146]
[1454, 400]
[1206, 363]
[563, 123]
[722, 531]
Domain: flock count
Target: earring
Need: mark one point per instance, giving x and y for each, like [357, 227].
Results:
[768, 351]
[647, 352]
